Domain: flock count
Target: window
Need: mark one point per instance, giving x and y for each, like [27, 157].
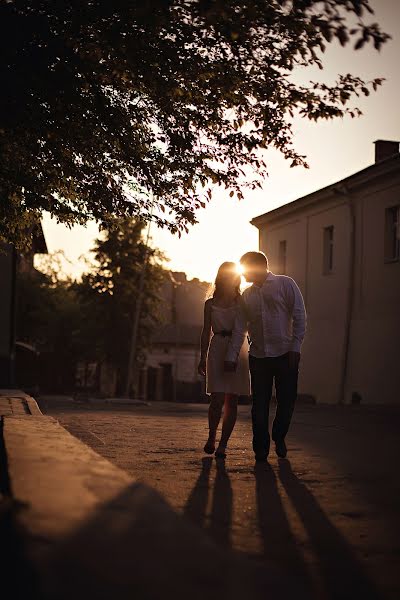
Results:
[328, 250]
[392, 234]
[282, 257]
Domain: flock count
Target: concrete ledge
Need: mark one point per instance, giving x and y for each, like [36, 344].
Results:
[89, 531]
[54, 476]
[20, 402]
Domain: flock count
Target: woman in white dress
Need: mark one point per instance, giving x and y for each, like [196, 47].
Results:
[224, 387]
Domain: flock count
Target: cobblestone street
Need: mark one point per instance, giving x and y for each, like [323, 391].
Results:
[328, 514]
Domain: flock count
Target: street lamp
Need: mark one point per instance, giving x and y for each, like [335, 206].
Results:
[174, 315]
[136, 319]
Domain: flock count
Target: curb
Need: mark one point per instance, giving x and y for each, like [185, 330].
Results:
[33, 406]
[118, 401]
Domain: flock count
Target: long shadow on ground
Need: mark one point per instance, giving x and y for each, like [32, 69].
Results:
[340, 574]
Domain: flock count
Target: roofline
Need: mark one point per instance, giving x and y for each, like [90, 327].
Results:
[345, 185]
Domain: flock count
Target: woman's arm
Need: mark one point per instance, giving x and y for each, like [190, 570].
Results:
[237, 337]
[205, 337]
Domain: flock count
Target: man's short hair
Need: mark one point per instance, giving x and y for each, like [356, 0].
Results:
[255, 258]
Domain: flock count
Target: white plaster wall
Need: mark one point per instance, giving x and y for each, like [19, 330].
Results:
[186, 362]
[374, 363]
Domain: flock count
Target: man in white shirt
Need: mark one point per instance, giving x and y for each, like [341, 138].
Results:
[274, 316]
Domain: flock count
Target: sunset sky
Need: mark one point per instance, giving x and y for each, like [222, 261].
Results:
[334, 149]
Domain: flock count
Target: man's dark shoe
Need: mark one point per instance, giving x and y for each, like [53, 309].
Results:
[280, 448]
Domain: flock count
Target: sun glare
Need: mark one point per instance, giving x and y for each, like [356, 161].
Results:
[239, 268]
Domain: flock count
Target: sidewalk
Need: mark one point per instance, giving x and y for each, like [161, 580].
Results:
[74, 525]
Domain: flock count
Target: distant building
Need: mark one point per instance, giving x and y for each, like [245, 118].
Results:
[12, 262]
[171, 367]
[342, 246]
[172, 364]
[182, 299]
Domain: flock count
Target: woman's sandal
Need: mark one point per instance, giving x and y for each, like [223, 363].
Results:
[209, 447]
[220, 453]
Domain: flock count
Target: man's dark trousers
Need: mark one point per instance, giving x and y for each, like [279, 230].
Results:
[263, 372]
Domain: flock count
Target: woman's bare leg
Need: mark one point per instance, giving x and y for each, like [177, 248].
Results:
[229, 420]
[214, 417]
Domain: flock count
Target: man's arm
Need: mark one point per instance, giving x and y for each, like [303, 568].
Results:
[238, 334]
[296, 305]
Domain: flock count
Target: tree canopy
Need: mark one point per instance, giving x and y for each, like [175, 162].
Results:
[106, 106]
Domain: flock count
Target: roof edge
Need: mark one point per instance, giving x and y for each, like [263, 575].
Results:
[368, 173]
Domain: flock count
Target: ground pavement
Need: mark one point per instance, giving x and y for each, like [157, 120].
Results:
[74, 525]
[328, 516]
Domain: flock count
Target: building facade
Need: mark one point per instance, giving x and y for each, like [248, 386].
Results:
[341, 244]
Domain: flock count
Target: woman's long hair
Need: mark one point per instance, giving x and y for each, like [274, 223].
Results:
[227, 278]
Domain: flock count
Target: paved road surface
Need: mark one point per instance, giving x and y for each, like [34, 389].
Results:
[329, 515]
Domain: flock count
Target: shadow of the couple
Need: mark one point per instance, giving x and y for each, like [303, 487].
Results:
[136, 546]
[220, 519]
[343, 575]
[337, 573]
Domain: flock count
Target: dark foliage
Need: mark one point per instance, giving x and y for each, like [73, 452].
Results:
[90, 321]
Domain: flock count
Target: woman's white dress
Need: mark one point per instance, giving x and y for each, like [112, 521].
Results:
[219, 381]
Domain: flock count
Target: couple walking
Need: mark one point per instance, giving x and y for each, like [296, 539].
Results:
[272, 313]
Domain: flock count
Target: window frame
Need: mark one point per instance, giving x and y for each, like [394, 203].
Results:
[390, 238]
[328, 236]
